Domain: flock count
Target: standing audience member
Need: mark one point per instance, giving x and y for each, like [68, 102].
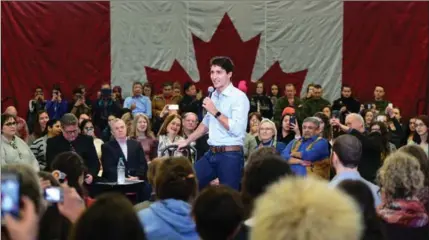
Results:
[111, 217]
[286, 132]
[78, 106]
[53, 129]
[166, 98]
[386, 146]
[346, 155]
[289, 100]
[39, 126]
[371, 145]
[71, 140]
[21, 125]
[422, 131]
[403, 214]
[379, 102]
[170, 216]
[57, 106]
[129, 150]
[138, 103]
[363, 196]
[218, 212]
[117, 95]
[13, 148]
[314, 104]
[105, 107]
[142, 132]
[190, 102]
[260, 103]
[312, 210]
[274, 94]
[410, 131]
[35, 105]
[346, 102]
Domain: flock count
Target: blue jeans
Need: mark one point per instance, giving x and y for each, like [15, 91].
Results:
[227, 166]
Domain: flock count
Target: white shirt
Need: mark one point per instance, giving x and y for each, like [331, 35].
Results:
[124, 147]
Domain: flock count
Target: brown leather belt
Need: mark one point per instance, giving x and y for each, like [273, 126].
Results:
[220, 149]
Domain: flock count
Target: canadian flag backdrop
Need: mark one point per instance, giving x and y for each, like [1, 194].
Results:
[362, 44]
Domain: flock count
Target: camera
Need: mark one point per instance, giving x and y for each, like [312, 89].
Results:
[54, 194]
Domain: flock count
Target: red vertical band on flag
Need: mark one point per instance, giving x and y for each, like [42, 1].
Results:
[53, 42]
[386, 43]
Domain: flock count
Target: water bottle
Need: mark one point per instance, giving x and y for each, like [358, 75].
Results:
[121, 171]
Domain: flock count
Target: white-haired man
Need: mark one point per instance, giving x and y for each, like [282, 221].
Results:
[371, 144]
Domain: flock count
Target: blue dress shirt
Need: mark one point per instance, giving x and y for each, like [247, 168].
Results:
[143, 105]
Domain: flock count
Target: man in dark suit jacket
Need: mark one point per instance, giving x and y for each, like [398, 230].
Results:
[129, 150]
[71, 140]
[371, 145]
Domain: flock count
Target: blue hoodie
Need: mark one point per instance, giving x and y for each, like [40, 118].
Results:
[168, 219]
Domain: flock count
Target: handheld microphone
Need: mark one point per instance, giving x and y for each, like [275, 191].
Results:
[210, 91]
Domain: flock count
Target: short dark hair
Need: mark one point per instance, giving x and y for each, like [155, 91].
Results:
[218, 211]
[110, 217]
[187, 85]
[261, 172]
[348, 149]
[346, 86]
[175, 178]
[137, 83]
[167, 84]
[223, 62]
[318, 86]
[77, 90]
[5, 117]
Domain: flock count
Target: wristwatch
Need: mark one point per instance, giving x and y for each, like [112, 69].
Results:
[217, 114]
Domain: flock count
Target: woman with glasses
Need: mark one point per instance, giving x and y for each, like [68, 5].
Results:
[421, 136]
[268, 136]
[14, 149]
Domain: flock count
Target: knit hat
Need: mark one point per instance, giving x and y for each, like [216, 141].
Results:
[289, 111]
[242, 85]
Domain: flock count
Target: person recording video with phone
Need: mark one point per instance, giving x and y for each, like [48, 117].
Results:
[36, 105]
[57, 106]
[79, 104]
[226, 121]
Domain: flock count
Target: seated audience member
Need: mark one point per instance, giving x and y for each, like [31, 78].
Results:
[403, 214]
[409, 131]
[105, 107]
[289, 100]
[394, 126]
[71, 164]
[111, 217]
[169, 134]
[263, 168]
[325, 129]
[71, 140]
[53, 129]
[268, 136]
[147, 90]
[138, 103]
[14, 149]
[142, 132]
[78, 106]
[274, 94]
[87, 128]
[421, 156]
[314, 104]
[363, 196]
[39, 126]
[346, 102]
[371, 144]
[312, 210]
[422, 131]
[83, 117]
[31, 204]
[261, 103]
[170, 216]
[52, 225]
[327, 111]
[166, 98]
[21, 125]
[251, 141]
[190, 102]
[129, 150]
[117, 95]
[128, 119]
[309, 151]
[346, 155]
[379, 102]
[35, 105]
[190, 123]
[177, 90]
[57, 106]
[107, 132]
[218, 212]
[286, 132]
[151, 174]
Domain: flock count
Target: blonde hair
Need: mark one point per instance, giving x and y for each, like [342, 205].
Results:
[400, 176]
[127, 118]
[309, 209]
[134, 130]
[273, 126]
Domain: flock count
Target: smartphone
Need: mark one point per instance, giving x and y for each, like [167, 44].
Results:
[292, 120]
[173, 107]
[10, 194]
[54, 194]
[369, 106]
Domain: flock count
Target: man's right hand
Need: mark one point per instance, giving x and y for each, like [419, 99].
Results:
[182, 144]
[133, 106]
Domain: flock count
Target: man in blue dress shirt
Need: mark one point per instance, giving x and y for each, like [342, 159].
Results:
[139, 103]
[225, 121]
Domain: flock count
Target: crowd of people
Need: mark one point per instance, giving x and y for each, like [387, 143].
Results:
[341, 170]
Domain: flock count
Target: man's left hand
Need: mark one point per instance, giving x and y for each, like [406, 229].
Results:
[209, 106]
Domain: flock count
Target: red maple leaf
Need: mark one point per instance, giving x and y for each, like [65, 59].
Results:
[226, 41]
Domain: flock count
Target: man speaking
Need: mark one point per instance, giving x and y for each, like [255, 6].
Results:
[226, 120]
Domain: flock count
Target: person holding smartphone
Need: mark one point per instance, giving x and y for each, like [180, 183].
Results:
[57, 106]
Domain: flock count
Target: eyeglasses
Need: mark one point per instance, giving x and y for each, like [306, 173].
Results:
[9, 124]
[70, 132]
[265, 129]
[420, 125]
